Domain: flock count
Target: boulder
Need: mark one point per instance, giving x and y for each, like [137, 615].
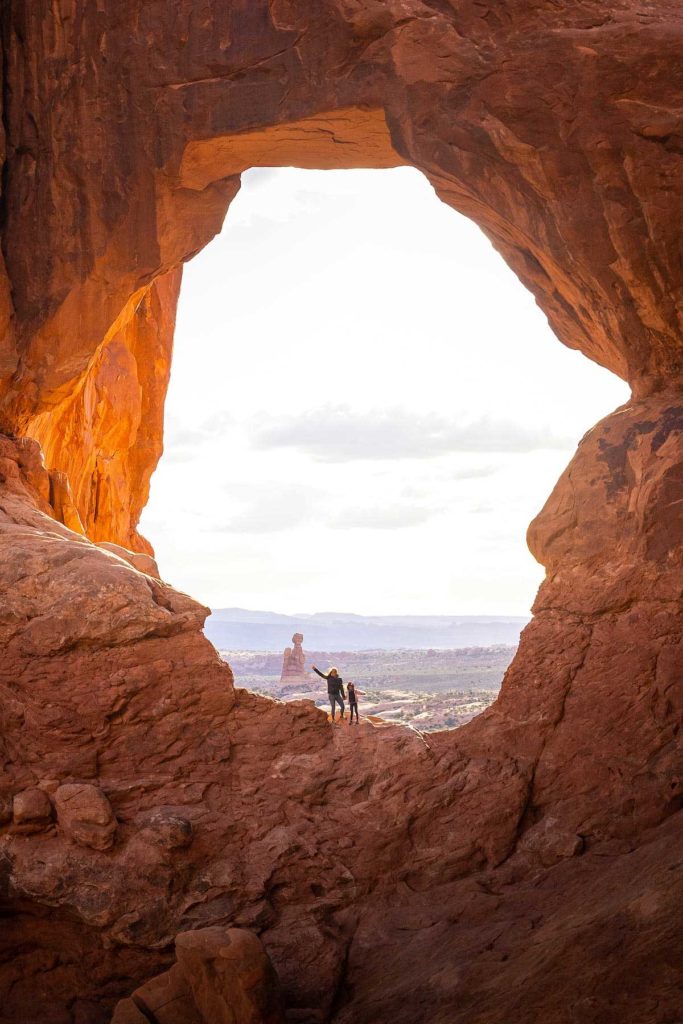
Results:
[231, 976]
[165, 999]
[223, 976]
[31, 811]
[85, 815]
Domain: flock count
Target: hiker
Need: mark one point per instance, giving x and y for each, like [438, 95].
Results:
[353, 700]
[335, 689]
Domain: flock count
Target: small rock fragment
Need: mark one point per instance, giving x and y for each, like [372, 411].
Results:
[550, 843]
[164, 828]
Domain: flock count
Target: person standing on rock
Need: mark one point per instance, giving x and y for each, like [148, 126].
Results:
[354, 694]
[335, 689]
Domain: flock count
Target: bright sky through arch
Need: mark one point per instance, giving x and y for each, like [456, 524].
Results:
[366, 407]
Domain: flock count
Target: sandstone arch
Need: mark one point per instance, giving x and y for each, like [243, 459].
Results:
[546, 125]
[555, 125]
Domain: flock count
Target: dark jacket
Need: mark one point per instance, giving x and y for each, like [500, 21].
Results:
[335, 684]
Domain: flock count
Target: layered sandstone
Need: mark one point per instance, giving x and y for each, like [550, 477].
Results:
[525, 867]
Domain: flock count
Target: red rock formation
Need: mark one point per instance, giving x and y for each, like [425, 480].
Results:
[524, 867]
[293, 662]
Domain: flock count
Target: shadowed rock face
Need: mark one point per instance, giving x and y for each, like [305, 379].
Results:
[223, 976]
[525, 867]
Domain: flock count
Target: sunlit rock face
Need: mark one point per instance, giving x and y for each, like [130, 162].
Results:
[521, 868]
[105, 435]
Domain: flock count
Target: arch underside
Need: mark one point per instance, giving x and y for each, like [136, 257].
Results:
[532, 848]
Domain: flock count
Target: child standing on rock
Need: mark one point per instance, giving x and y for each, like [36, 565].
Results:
[353, 700]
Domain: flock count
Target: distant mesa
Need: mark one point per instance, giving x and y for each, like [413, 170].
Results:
[238, 629]
[293, 670]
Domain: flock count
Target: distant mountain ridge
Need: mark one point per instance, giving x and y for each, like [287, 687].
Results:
[247, 630]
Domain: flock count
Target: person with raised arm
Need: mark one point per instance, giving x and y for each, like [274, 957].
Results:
[335, 689]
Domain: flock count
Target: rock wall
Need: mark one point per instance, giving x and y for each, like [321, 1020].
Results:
[106, 436]
[525, 867]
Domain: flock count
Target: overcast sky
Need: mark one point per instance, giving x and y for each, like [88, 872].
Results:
[366, 407]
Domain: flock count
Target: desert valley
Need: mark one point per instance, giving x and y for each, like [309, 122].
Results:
[428, 689]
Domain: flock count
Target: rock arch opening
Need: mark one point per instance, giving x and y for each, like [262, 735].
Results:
[365, 412]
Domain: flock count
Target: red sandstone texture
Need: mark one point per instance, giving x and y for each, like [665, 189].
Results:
[526, 867]
[106, 434]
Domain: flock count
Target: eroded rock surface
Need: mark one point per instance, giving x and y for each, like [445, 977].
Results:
[138, 559]
[525, 867]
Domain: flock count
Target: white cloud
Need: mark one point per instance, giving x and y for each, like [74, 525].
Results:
[260, 518]
[473, 472]
[266, 508]
[340, 434]
[260, 508]
[383, 517]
